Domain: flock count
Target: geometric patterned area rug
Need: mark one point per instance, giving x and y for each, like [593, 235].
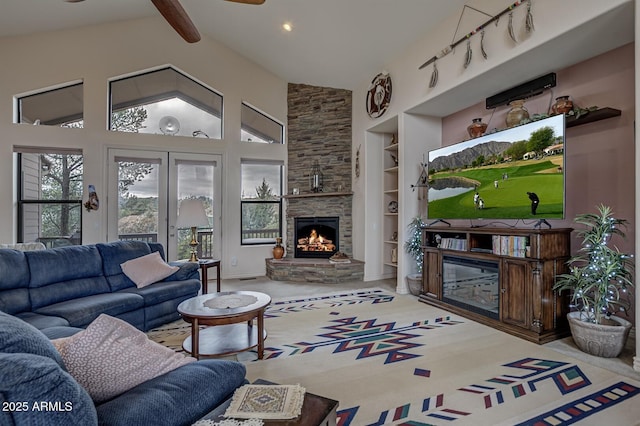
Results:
[391, 360]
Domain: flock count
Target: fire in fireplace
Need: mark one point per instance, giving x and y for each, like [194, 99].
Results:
[316, 236]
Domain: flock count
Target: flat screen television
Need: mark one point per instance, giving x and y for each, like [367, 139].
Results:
[516, 173]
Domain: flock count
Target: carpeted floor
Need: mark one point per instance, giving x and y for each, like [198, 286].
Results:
[389, 359]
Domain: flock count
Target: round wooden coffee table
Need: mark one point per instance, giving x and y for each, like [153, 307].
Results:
[229, 316]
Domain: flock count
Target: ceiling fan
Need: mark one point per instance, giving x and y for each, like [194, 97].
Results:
[176, 16]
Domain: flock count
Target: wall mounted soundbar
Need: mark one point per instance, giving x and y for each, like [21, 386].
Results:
[523, 91]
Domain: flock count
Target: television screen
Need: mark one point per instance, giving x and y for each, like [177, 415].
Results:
[517, 173]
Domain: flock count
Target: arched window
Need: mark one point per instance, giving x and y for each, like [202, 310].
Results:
[60, 106]
[165, 101]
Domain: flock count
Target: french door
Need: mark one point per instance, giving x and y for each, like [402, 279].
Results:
[148, 187]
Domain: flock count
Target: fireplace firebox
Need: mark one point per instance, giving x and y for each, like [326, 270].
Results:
[316, 237]
[472, 284]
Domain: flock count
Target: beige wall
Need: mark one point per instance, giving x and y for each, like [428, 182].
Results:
[96, 54]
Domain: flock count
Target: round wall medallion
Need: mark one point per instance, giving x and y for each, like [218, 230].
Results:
[379, 95]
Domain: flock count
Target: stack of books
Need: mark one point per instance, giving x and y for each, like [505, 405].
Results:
[459, 244]
[510, 245]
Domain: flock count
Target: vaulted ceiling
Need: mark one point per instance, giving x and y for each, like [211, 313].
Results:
[334, 43]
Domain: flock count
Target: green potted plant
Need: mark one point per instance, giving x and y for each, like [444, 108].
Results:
[413, 246]
[599, 277]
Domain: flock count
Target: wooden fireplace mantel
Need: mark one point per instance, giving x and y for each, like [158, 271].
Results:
[318, 194]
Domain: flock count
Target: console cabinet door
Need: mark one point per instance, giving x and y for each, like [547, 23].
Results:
[431, 275]
[515, 292]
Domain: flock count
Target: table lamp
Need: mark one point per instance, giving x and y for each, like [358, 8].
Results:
[192, 215]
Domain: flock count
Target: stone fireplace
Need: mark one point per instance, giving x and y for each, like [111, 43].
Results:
[319, 129]
[316, 237]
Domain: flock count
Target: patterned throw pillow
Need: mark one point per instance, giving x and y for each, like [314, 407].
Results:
[147, 269]
[111, 356]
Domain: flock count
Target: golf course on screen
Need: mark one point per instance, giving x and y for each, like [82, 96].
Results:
[503, 190]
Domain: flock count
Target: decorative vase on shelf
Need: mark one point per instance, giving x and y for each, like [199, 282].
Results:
[517, 113]
[278, 250]
[562, 105]
[476, 128]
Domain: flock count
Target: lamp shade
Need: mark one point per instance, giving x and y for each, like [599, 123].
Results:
[191, 213]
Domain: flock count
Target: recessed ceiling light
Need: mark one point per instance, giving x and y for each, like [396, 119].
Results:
[287, 26]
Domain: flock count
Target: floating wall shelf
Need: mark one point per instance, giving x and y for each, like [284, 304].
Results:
[597, 115]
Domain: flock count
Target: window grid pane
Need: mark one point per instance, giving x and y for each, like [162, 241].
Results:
[50, 198]
[261, 205]
[257, 127]
[56, 107]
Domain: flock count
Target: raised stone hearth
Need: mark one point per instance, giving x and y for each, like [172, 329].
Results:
[314, 270]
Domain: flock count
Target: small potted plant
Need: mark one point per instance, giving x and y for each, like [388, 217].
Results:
[599, 277]
[413, 246]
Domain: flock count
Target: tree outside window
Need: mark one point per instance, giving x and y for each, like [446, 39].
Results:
[261, 203]
[50, 197]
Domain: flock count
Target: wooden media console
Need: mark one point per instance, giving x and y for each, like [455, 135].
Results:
[501, 277]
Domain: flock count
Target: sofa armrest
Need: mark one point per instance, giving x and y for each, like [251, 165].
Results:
[187, 271]
[179, 397]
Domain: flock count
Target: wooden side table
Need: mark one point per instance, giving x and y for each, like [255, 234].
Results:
[205, 264]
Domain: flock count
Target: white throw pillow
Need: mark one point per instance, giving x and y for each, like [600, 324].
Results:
[147, 269]
[111, 356]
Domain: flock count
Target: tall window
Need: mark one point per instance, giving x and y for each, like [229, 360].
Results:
[49, 196]
[257, 127]
[61, 107]
[261, 202]
[165, 102]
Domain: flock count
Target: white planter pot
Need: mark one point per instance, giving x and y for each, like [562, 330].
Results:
[414, 281]
[603, 340]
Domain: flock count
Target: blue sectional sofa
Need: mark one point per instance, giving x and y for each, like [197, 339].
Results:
[36, 389]
[54, 293]
[71, 286]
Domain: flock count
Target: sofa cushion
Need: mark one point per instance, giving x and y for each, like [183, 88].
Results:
[116, 253]
[14, 282]
[81, 311]
[165, 290]
[147, 269]
[44, 393]
[77, 268]
[178, 398]
[42, 321]
[111, 356]
[186, 271]
[157, 247]
[16, 336]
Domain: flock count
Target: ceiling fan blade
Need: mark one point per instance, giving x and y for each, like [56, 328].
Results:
[176, 16]
[248, 1]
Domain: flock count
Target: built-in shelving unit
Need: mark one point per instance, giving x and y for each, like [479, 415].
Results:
[390, 163]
